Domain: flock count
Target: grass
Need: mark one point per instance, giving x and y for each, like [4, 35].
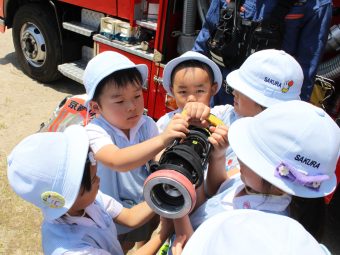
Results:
[19, 220]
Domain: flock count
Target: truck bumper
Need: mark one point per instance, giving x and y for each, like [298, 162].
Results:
[2, 25]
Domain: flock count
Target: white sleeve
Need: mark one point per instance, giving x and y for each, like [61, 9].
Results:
[98, 137]
[152, 127]
[162, 123]
[87, 251]
[111, 206]
[223, 112]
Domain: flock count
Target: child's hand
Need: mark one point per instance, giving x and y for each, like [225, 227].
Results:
[219, 140]
[165, 227]
[197, 113]
[178, 245]
[177, 128]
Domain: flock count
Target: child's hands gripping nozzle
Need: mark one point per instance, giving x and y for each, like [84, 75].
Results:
[170, 188]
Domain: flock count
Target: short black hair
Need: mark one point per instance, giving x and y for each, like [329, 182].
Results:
[120, 79]
[191, 64]
[86, 181]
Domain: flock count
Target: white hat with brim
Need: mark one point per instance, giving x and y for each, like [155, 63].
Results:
[247, 231]
[104, 64]
[190, 55]
[284, 133]
[268, 77]
[46, 169]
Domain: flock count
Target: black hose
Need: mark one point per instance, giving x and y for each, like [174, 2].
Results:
[330, 68]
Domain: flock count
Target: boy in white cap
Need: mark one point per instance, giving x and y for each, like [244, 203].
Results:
[245, 232]
[191, 77]
[278, 161]
[122, 139]
[57, 173]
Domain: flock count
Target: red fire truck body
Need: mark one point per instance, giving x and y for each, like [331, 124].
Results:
[58, 37]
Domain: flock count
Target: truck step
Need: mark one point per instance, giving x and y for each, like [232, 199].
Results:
[79, 28]
[74, 70]
[89, 24]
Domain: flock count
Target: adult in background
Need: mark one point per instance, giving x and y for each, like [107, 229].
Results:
[304, 30]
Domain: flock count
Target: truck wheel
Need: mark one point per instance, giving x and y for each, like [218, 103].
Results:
[36, 42]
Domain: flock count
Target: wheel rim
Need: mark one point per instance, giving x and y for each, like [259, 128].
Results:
[33, 44]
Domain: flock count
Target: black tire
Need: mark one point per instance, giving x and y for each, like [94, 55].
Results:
[36, 42]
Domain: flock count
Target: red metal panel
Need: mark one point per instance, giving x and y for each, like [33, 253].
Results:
[2, 8]
[160, 24]
[337, 172]
[104, 6]
[336, 18]
[125, 8]
[137, 60]
[169, 20]
[156, 71]
[157, 94]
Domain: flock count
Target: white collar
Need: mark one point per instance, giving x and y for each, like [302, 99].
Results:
[94, 211]
[258, 202]
[133, 131]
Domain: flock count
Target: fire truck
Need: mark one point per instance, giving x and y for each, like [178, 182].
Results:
[58, 37]
[54, 38]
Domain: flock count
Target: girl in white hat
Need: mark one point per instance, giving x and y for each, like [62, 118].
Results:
[286, 153]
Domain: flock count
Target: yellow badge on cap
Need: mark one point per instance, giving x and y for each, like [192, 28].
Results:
[53, 199]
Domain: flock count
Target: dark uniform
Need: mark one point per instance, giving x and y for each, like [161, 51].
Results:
[306, 31]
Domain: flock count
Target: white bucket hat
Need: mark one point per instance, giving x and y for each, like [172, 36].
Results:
[190, 55]
[46, 169]
[268, 77]
[293, 145]
[244, 232]
[104, 64]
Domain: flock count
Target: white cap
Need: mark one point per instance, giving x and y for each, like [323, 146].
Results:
[293, 145]
[268, 77]
[104, 64]
[46, 169]
[190, 55]
[244, 232]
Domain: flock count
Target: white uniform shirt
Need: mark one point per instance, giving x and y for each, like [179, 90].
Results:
[163, 121]
[226, 200]
[125, 187]
[82, 235]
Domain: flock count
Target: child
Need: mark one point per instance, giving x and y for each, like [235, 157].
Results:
[122, 139]
[246, 232]
[266, 77]
[289, 150]
[191, 77]
[56, 172]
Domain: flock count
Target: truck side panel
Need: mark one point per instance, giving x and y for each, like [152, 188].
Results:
[104, 6]
[2, 22]
[2, 8]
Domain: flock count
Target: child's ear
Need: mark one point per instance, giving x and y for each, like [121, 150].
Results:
[172, 89]
[94, 106]
[214, 88]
